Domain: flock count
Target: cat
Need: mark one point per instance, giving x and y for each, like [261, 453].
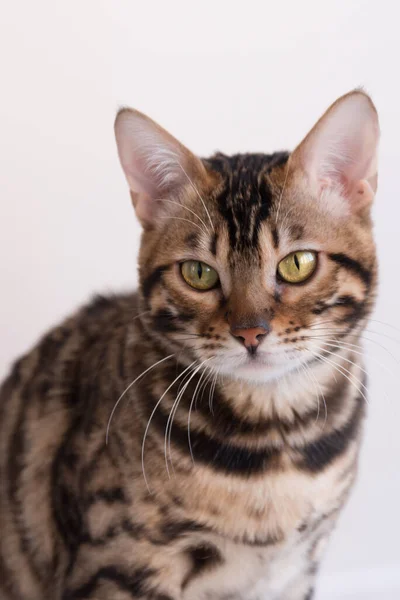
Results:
[198, 439]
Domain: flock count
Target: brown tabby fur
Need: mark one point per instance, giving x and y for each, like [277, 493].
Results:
[273, 462]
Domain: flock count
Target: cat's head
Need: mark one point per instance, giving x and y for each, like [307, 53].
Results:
[256, 263]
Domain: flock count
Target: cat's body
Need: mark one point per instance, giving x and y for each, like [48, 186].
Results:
[208, 532]
[231, 492]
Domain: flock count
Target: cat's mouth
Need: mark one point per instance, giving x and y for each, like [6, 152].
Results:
[269, 357]
[261, 359]
[262, 365]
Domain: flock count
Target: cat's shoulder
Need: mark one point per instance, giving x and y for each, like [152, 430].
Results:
[105, 307]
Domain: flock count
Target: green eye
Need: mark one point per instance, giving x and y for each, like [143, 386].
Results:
[298, 266]
[199, 275]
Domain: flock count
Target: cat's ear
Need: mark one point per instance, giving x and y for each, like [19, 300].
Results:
[155, 164]
[340, 152]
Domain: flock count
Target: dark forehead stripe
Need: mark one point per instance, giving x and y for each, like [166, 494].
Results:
[246, 197]
[193, 240]
[296, 231]
[213, 244]
[275, 237]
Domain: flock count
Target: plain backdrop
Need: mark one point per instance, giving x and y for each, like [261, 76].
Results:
[233, 76]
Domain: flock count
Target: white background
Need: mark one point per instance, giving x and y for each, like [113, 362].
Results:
[234, 76]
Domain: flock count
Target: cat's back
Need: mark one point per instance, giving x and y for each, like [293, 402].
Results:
[69, 354]
[58, 387]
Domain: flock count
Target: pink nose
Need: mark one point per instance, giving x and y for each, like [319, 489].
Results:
[252, 337]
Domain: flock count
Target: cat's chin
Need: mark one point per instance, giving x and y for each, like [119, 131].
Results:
[260, 373]
[260, 369]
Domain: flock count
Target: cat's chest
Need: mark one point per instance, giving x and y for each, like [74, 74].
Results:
[247, 573]
[272, 532]
[257, 535]
[252, 572]
[270, 508]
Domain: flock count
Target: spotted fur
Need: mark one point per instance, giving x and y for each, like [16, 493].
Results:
[232, 492]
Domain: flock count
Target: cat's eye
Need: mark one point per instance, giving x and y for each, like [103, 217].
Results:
[199, 275]
[298, 266]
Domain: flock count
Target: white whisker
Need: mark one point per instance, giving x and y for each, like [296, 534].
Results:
[340, 369]
[348, 360]
[198, 193]
[352, 363]
[317, 325]
[128, 388]
[182, 219]
[386, 324]
[358, 336]
[283, 189]
[306, 372]
[173, 413]
[212, 391]
[149, 421]
[286, 217]
[203, 386]
[191, 406]
[186, 208]
[168, 429]
[323, 398]
[385, 335]
[350, 347]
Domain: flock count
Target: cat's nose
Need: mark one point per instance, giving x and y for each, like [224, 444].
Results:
[250, 337]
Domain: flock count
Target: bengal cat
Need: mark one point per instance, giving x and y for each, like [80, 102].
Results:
[197, 440]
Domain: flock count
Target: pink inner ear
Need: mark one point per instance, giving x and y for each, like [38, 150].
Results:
[341, 160]
[149, 156]
[155, 164]
[340, 151]
[138, 179]
[339, 181]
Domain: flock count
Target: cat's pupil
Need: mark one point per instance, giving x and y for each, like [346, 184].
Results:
[199, 270]
[296, 262]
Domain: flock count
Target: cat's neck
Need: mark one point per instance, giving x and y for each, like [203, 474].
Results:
[315, 397]
[298, 392]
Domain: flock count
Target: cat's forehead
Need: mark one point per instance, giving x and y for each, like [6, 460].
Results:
[248, 192]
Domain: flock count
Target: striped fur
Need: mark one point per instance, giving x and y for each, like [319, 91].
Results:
[232, 493]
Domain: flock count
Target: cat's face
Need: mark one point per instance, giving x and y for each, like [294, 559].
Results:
[255, 265]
